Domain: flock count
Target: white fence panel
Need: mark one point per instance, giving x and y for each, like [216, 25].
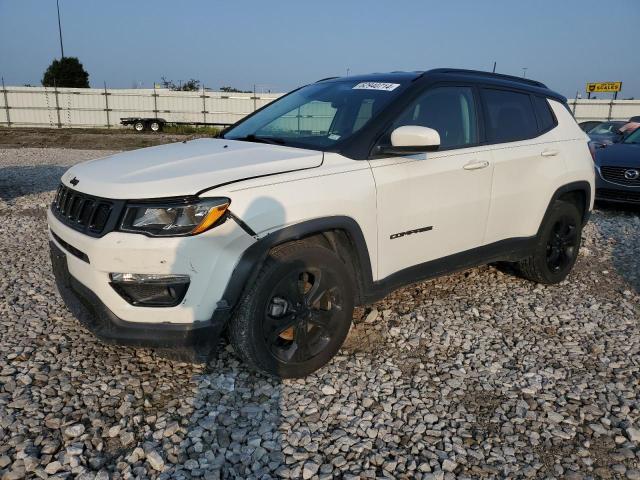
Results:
[604, 109]
[95, 107]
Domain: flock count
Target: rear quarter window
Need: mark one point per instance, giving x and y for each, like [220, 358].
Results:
[509, 116]
[546, 119]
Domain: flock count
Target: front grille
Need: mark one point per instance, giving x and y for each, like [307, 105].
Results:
[91, 215]
[616, 175]
[618, 195]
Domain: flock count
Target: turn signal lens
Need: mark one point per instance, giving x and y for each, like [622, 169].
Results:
[210, 219]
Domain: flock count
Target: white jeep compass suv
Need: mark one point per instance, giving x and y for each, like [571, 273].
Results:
[329, 197]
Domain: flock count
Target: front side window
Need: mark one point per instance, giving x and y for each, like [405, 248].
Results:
[509, 117]
[319, 115]
[633, 138]
[448, 110]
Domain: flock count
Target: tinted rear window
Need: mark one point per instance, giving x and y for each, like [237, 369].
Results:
[510, 116]
[546, 120]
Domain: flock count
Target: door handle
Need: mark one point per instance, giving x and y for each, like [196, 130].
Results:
[549, 153]
[476, 165]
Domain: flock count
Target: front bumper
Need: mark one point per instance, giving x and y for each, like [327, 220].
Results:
[197, 337]
[607, 191]
[208, 259]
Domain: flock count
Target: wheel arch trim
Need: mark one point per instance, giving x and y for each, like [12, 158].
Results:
[252, 259]
[581, 186]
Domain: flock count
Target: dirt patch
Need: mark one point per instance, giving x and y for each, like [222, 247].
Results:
[363, 339]
[483, 406]
[40, 213]
[90, 139]
[600, 277]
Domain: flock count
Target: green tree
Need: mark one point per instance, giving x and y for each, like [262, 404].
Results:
[233, 90]
[188, 86]
[66, 72]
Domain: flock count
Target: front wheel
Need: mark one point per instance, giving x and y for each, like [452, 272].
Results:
[557, 246]
[298, 312]
[139, 126]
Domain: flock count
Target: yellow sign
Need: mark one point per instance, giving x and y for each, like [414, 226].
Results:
[604, 87]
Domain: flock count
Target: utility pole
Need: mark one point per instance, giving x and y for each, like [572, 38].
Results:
[494, 67]
[524, 72]
[348, 70]
[60, 29]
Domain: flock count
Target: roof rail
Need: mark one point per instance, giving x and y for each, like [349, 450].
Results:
[323, 79]
[480, 73]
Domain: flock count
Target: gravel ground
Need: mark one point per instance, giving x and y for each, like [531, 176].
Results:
[475, 375]
[85, 138]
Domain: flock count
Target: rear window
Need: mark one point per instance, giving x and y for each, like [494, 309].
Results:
[510, 116]
[546, 120]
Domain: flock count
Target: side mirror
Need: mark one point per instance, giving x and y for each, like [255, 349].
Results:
[412, 139]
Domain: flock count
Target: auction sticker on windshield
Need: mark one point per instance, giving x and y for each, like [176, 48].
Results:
[388, 87]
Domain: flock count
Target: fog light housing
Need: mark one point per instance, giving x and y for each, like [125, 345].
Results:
[150, 290]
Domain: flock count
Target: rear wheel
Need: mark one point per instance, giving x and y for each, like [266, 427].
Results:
[557, 246]
[297, 314]
[155, 126]
[138, 126]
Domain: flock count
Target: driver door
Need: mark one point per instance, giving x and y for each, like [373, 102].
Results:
[433, 205]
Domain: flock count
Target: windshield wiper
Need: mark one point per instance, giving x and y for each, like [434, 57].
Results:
[257, 139]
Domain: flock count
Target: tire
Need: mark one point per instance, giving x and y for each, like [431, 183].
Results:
[155, 126]
[139, 126]
[297, 314]
[556, 247]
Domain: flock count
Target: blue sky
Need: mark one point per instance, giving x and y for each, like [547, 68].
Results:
[279, 45]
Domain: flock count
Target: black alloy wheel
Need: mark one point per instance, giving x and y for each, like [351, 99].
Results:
[297, 313]
[301, 316]
[562, 243]
[557, 245]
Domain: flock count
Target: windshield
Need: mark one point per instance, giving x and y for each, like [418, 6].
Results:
[606, 127]
[317, 116]
[633, 137]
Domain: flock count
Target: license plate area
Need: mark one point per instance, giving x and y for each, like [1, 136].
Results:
[59, 264]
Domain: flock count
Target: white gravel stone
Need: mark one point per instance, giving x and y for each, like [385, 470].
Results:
[633, 434]
[309, 470]
[328, 390]
[53, 467]
[73, 431]
[155, 460]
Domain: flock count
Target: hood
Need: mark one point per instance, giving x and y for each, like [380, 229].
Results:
[184, 168]
[619, 154]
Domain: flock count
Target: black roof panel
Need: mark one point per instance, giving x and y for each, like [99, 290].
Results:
[390, 77]
[497, 79]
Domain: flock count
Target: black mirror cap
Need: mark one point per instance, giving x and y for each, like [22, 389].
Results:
[404, 150]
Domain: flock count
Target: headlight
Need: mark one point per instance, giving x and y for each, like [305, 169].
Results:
[189, 218]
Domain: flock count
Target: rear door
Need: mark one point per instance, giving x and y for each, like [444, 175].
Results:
[431, 205]
[527, 161]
